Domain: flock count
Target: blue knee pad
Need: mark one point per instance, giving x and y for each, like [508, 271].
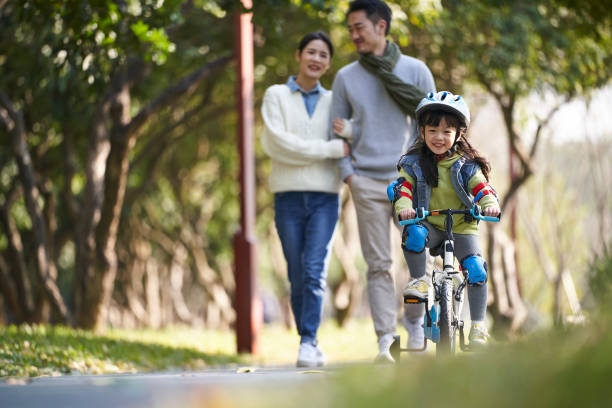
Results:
[476, 268]
[415, 238]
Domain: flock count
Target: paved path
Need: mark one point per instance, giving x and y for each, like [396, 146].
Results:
[149, 390]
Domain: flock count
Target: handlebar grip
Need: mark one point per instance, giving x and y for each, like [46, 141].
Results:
[475, 212]
[487, 218]
[416, 219]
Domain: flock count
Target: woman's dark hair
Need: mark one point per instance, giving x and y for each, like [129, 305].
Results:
[374, 9]
[428, 160]
[317, 35]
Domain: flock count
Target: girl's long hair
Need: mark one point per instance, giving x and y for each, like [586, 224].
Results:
[428, 160]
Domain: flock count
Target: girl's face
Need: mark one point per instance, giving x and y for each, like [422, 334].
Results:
[314, 59]
[439, 138]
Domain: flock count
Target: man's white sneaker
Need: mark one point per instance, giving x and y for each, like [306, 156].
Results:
[417, 289]
[309, 355]
[384, 345]
[416, 334]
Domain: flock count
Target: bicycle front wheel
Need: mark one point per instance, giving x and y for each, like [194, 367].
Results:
[445, 322]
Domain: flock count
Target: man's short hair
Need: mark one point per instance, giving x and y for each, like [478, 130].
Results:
[374, 9]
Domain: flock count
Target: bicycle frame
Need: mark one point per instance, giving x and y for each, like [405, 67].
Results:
[448, 286]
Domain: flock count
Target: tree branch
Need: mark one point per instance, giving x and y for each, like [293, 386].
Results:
[180, 88]
[541, 125]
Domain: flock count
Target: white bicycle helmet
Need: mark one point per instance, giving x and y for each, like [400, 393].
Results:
[445, 101]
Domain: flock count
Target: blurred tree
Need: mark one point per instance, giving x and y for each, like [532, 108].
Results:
[70, 103]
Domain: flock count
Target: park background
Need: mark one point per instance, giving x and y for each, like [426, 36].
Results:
[118, 159]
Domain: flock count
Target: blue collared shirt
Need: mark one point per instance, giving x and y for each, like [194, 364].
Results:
[310, 98]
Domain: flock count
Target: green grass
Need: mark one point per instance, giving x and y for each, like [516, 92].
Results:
[45, 350]
[563, 368]
[560, 368]
[40, 350]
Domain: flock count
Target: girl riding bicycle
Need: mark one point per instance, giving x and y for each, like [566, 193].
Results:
[444, 171]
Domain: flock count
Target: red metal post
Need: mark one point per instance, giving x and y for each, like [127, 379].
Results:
[248, 307]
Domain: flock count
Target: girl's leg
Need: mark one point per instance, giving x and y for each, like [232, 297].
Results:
[466, 245]
[322, 215]
[290, 219]
[417, 263]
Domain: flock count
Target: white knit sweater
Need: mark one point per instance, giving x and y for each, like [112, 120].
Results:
[298, 144]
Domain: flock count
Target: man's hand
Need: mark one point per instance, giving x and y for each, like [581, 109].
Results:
[493, 211]
[408, 214]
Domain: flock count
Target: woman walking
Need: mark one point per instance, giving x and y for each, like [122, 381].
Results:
[305, 182]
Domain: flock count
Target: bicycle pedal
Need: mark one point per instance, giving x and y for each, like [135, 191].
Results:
[414, 299]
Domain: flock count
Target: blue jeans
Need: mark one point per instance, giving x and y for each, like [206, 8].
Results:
[305, 221]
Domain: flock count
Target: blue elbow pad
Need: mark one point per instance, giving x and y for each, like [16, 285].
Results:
[476, 268]
[415, 238]
[394, 189]
[391, 190]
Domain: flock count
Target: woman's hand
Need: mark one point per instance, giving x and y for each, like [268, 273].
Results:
[408, 214]
[347, 149]
[493, 211]
[338, 125]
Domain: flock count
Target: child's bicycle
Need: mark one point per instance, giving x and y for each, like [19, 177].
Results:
[443, 317]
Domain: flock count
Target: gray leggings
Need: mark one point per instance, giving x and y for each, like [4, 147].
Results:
[465, 244]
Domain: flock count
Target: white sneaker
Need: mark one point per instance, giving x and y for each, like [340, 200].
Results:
[479, 336]
[417, 289]
[384, 345]
[310, 355]
[416, 334]
[307, 355]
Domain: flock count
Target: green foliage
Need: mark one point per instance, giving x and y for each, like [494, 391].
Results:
[513, 47]
[600, 279]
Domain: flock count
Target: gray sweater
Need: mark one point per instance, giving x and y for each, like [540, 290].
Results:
[381, 132]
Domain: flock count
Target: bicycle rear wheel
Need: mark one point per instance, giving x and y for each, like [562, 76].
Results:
[445, 322]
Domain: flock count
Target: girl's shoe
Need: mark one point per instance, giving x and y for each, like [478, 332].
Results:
[479, 336]
[417, 289]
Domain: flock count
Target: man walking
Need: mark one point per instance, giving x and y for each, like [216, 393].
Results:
[379, 93]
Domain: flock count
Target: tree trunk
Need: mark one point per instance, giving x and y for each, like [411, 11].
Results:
[103, 267]
[45, 266]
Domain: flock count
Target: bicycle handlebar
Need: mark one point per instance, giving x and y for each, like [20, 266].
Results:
[422, 213]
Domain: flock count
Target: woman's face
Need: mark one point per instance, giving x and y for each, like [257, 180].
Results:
[314, 59]
[439, 138]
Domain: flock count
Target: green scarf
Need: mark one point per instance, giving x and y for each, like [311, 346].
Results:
[405, 95]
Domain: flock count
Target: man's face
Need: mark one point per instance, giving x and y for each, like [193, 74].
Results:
[365, 34]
